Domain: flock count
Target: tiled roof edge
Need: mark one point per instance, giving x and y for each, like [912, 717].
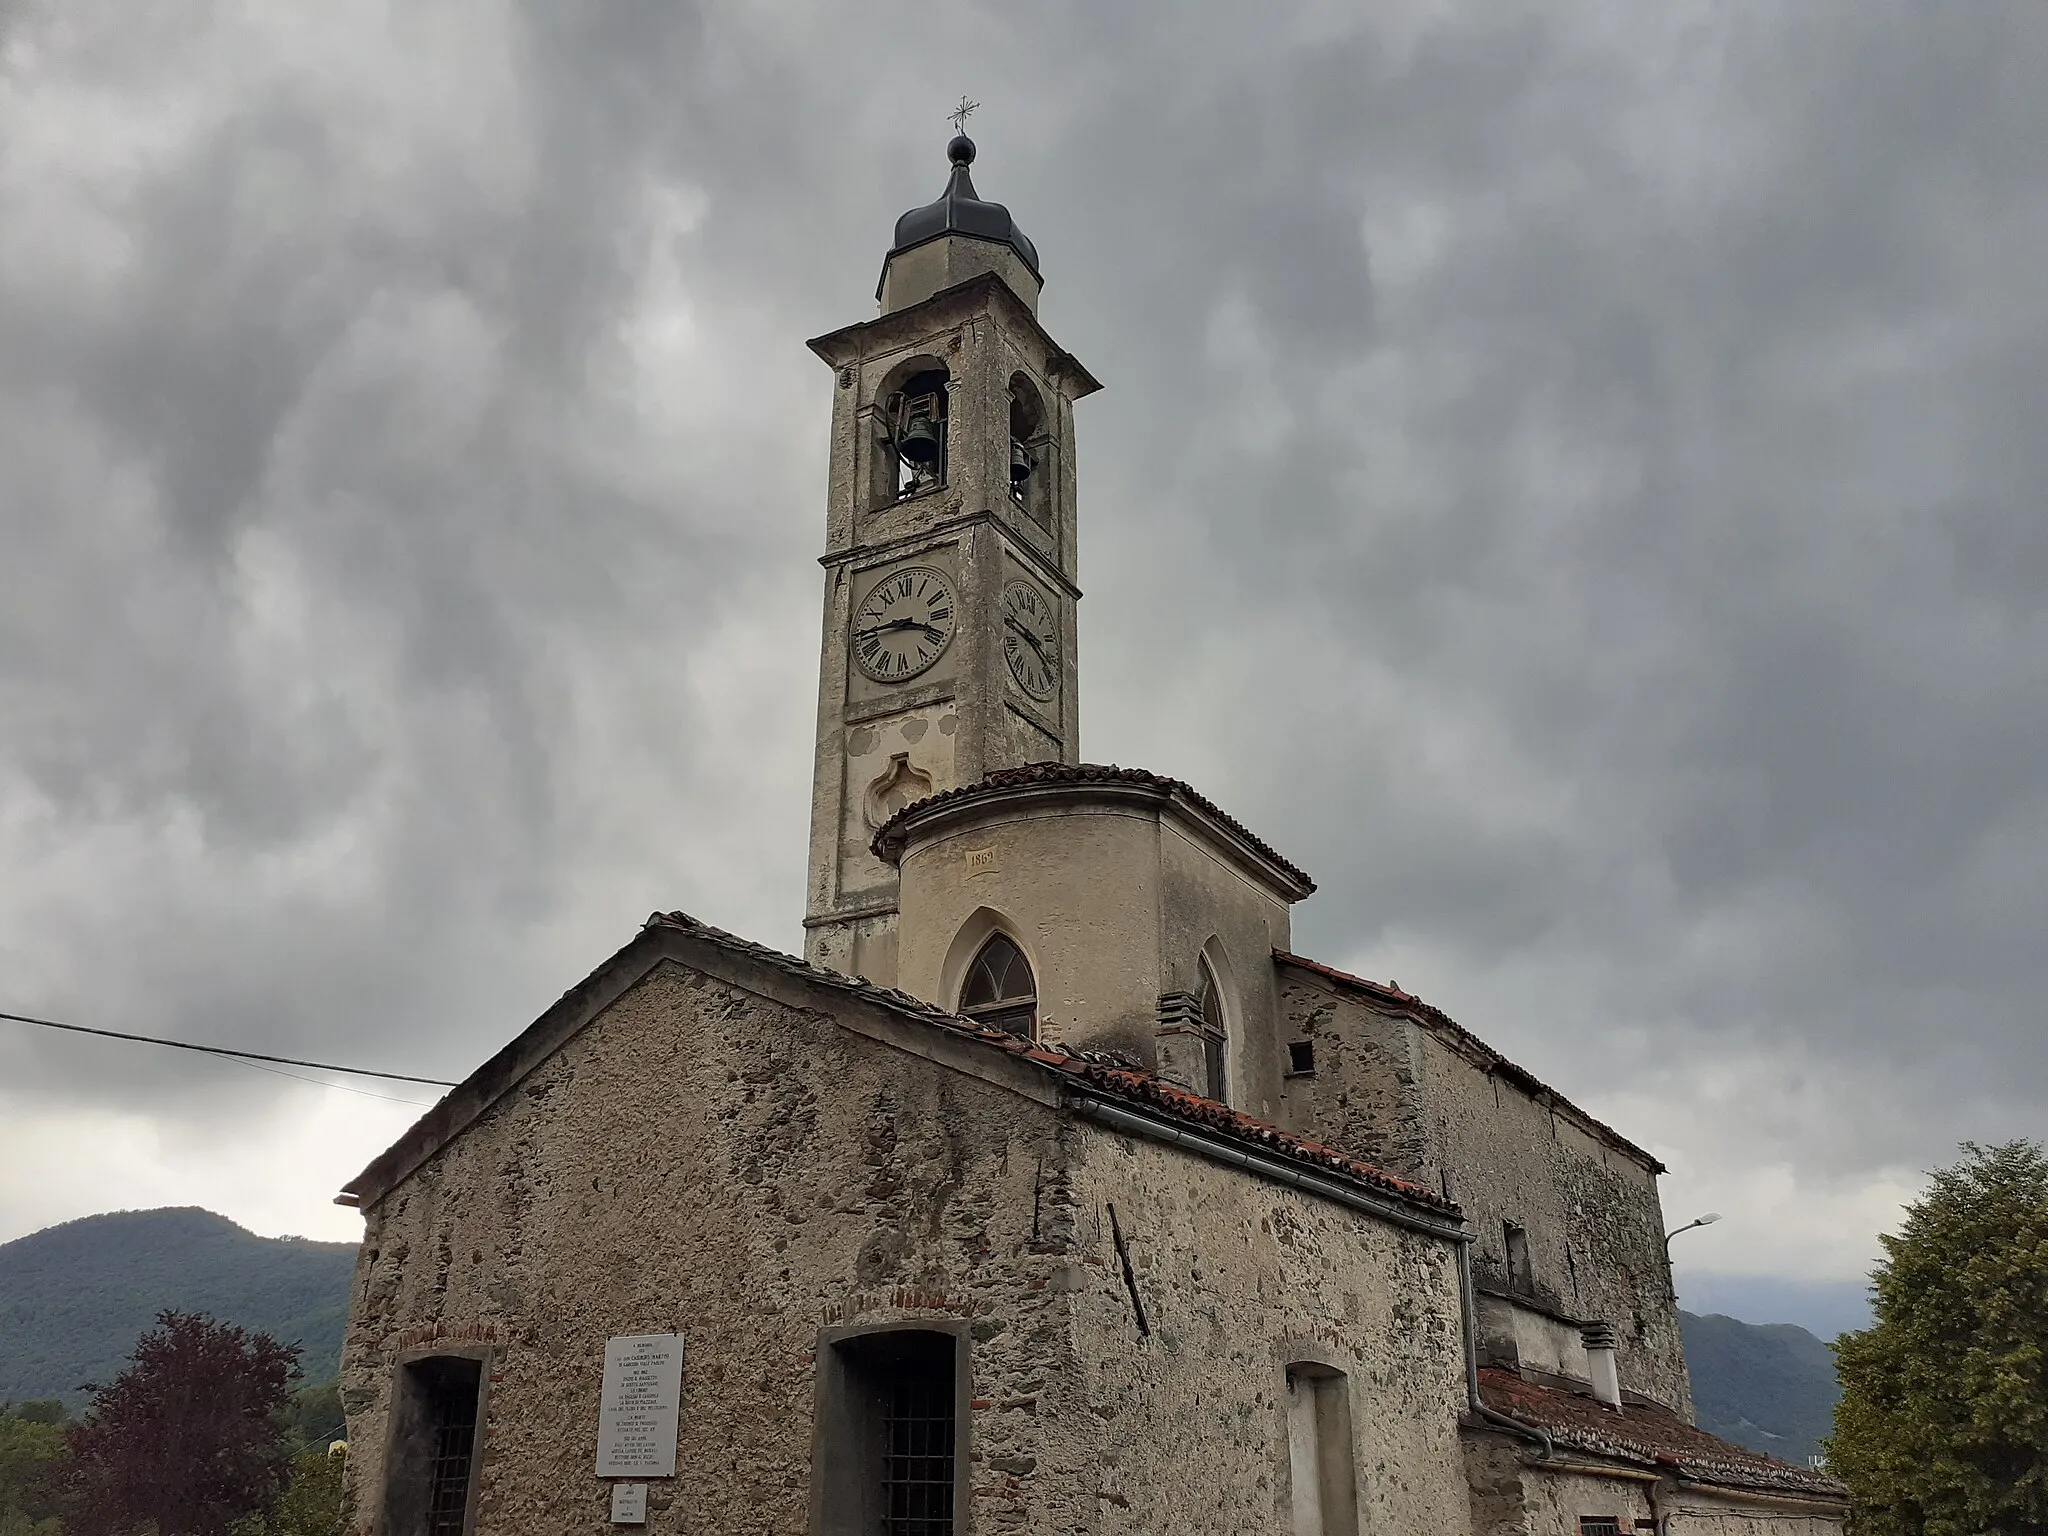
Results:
[1650, 1436]
[1436, 1018]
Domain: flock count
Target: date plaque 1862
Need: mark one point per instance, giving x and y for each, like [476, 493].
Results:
[636, 1417]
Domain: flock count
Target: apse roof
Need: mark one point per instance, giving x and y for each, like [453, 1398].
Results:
[960, 210]
[1001, 779]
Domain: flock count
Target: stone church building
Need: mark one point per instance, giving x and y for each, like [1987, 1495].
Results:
[1051, 1191]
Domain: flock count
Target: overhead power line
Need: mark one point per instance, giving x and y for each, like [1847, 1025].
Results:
[222, 1050]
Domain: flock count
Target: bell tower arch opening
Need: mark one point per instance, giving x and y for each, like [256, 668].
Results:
[1031, 451]
[912, 413]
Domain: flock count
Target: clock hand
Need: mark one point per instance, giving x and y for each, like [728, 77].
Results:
[1029, 639]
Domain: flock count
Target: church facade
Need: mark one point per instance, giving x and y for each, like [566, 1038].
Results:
[1050, 1190]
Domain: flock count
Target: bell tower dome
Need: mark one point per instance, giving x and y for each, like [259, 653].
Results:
[948, 649]
[955, 238]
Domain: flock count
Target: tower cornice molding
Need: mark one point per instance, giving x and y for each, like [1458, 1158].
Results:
[915, 323]
[933, 535]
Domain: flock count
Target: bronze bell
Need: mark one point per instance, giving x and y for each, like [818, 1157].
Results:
[919, 443]
[1020, 463]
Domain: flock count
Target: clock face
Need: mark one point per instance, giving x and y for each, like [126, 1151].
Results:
[904, 624]
[1031, 640]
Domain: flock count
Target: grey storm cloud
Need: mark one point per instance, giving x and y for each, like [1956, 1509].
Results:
[1571, 475]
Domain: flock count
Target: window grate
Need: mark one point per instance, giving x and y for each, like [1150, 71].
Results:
[917, 1469]
[1599, 1525]
[454, 1430]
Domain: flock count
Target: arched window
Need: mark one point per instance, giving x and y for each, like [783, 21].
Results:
[999, 990]
[1030, 478]
[1215, 1040]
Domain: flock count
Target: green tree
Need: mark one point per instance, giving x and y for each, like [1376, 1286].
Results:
[1943, 1425]
[33, 1468]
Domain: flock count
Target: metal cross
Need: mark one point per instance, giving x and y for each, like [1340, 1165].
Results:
[960, 113]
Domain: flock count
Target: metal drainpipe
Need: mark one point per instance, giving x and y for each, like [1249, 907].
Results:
[1507, 1421]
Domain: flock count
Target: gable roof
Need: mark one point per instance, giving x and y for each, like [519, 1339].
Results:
[1474, 1049]
[678, 937]
[1648, 1433]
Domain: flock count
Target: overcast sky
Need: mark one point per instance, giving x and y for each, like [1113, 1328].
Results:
[1574, 476]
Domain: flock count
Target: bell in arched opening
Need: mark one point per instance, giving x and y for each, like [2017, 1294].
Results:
[1000, 991]
[917, 432]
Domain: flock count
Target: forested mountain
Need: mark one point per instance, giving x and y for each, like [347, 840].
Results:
[1769, 1386]
[74, 1298]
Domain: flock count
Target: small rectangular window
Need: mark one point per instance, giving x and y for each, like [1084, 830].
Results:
[1301, 1058]
[431, 1469]
[1599, 1525]
[1323, 1476]
[888, 1456]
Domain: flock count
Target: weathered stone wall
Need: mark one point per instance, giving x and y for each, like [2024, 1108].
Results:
[1396, 1092]
[747, 1172]
[1365, 1094]
[1554, 1502]
[1237, 1276]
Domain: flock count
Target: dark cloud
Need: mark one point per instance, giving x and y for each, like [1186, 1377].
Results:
[1571, 475]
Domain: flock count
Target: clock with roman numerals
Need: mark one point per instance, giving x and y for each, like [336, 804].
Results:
[1031, 640]
[904, 624]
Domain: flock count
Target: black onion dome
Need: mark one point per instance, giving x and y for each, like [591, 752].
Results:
[962, 212]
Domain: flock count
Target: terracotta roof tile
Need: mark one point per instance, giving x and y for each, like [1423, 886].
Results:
[1091, 773]
[1100, 1071]
[1436, 1018]
[1644, 1433]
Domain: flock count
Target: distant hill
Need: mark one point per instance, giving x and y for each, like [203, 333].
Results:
[74, 1298]
[1769, 1386]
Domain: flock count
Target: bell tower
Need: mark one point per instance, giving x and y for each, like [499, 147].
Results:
[949, 552]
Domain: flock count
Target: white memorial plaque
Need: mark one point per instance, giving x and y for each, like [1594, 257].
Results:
[629, 1503]
[643, 1394]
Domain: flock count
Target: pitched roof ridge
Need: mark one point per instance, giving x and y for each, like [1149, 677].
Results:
[1092, 773]
[1430, 1013]
[1647, 1433]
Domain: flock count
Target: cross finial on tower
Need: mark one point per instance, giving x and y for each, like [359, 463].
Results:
[960, 114]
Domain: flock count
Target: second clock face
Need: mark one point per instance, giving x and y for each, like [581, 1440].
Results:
[904, 624]
[1031, 640]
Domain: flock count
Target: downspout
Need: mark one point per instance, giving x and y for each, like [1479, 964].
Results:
[1660, 1513]
[1468, 1297]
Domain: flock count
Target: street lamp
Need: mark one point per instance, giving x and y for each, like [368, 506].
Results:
[1698, 1221]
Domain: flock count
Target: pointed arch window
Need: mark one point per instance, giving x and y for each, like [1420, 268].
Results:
[1215, 1040]
[1000, 990]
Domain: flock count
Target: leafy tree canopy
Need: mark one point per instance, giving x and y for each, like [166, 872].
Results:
[192, 1435]
[1943, 1425]
[32, 1469]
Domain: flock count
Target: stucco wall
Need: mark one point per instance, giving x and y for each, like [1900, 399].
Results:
[1077, 886]
[706, 1160]
[1398, 1093]
[1113, 902]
